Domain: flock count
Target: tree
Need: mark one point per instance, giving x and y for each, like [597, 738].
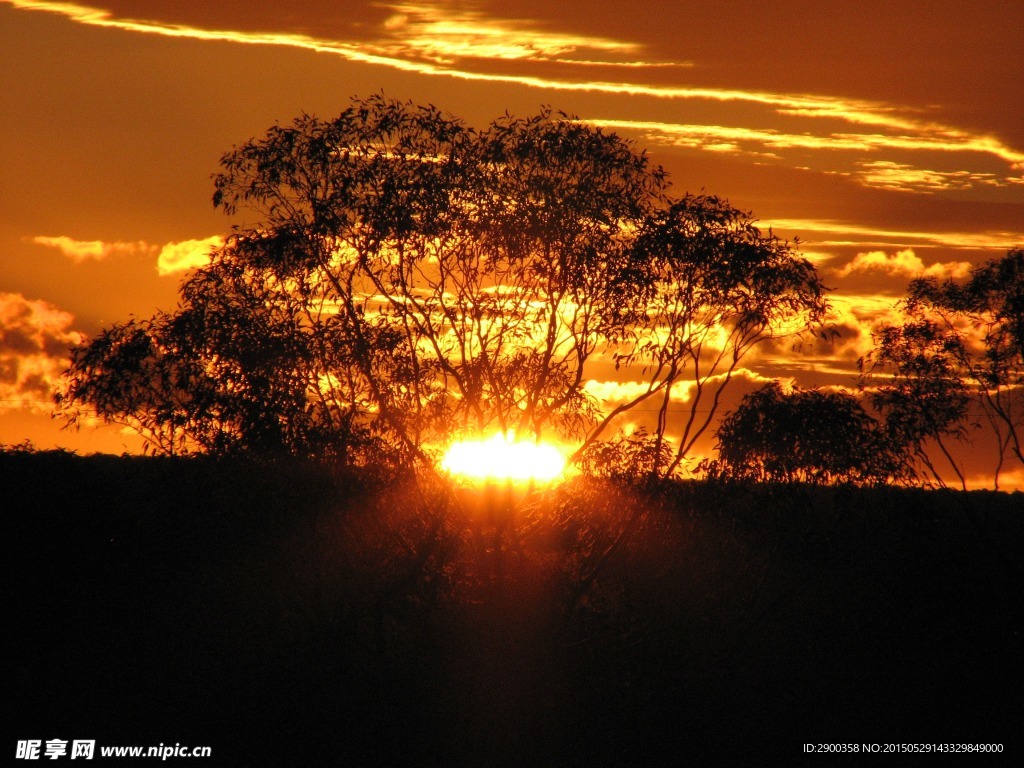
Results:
[914, 381]
[133, 374]
[399, 278]
[962, 344]
[200, 379]
[713, 287]
[805, 435]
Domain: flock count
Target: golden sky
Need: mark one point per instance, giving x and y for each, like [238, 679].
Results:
[886, 136]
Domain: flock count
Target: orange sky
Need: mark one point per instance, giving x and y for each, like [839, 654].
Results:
[886, 136]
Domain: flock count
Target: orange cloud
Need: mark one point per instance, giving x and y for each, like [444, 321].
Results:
[171, 258]
[852, 319]
[85, 250]
[903, 263]
[35, 337]
[866, 235]
[613, 393]
[445, 34]
[188, 254]
[430, 40]
[857, 316]
[767, 141]
[901, 177]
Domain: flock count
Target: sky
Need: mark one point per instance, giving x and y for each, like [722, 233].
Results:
[886, 137]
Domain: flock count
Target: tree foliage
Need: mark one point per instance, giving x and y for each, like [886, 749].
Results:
[397, 279]
[805, 435]
[959, 352]
[712, 287]
[915, 382]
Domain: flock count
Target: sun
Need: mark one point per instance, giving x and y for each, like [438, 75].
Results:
[502, 457]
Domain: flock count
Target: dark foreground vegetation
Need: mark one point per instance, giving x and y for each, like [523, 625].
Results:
[289, 615]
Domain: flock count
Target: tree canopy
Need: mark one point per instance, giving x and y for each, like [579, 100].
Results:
[956, 361]
[804, 435]
[396, 278]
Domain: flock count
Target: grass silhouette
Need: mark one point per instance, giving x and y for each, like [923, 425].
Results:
[289, 614]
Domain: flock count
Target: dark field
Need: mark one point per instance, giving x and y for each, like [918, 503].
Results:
[288, 615]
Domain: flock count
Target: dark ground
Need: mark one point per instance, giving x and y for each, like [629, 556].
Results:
[290, 616]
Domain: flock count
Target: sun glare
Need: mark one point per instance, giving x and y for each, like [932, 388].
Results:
[502, 457]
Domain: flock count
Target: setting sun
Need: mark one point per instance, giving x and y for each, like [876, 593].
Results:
[502, 457]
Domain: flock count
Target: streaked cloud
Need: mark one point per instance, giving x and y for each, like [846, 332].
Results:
[757, 140]
[97, 250]
[832, 358]
[905, 263]
[188, 254]
[852, 234]
[888, 174]
[612, 393]
[35, 337]
[445, 40]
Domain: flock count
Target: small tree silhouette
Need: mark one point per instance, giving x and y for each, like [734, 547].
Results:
[401, 278]
[805, 435]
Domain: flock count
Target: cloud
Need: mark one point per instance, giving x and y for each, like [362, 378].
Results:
[444, 41]
[767, 142]
[188, 254]
[445, 35]
[867, 235]
[709, 407]
[613, 393]
[85, 250]
[851, 321]
[170, 258]
[904, 264]
[856, 316]
[35, 337]
[901, 177]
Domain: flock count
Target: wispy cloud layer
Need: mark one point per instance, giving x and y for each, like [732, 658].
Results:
[452, 41]
[759, 140]
[826, 233]
[902, 177]
[834, 147]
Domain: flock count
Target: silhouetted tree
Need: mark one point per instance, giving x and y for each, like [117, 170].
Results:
[229, 372]
[400, 279]
[713, 286]
[805, 435]
[140, 375]
[915, 382]
[962, 342]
